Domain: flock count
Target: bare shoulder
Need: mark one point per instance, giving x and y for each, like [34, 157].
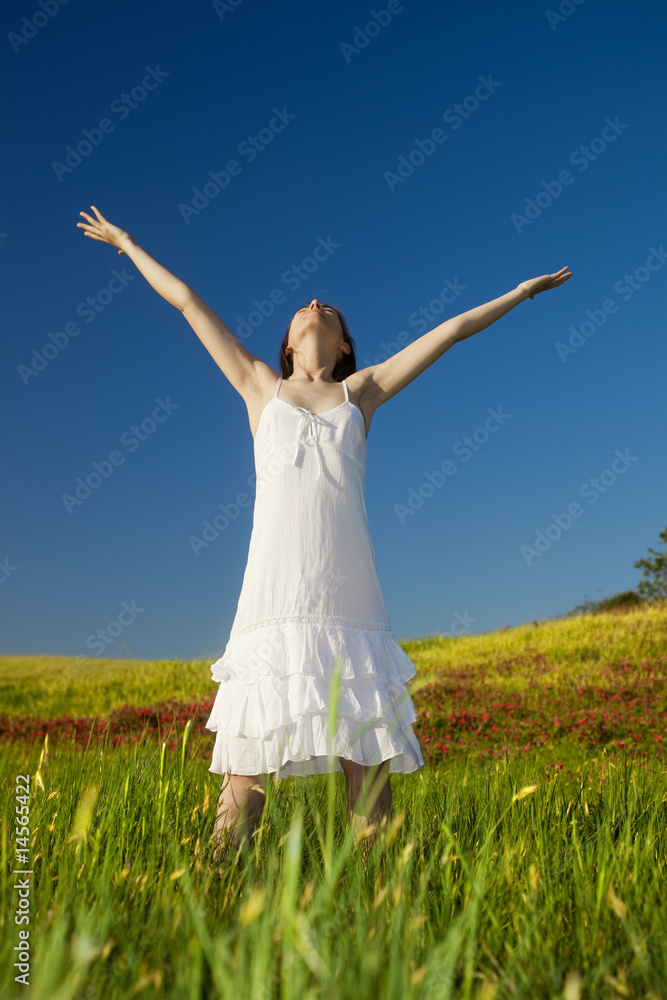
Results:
[358, 383]
[363, 393]
[364, 389]
[258, 391]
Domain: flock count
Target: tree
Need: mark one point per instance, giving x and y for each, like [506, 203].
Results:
[654, 586]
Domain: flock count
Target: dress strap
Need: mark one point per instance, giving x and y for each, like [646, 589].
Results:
[347, 394]
[278, 383]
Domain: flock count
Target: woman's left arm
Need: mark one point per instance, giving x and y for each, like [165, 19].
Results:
[482, 316]
[392, 375]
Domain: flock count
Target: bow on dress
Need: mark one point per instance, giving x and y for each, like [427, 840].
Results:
[308, 420]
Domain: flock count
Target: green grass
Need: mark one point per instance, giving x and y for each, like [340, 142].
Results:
[49, 686]
[502, 876]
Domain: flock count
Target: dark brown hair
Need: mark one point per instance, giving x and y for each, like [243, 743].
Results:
[347, 364]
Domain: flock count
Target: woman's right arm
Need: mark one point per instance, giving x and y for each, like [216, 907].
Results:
[248, 374]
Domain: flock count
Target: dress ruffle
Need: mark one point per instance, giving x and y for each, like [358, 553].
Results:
[271, 713]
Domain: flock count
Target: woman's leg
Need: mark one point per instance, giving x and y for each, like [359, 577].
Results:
[240, 808]
[368, 793]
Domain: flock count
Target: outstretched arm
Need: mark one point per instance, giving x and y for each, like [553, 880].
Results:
[171, 288]
[242, 368]
[392, 375]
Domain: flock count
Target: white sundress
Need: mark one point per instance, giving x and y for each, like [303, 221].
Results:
[311, 599]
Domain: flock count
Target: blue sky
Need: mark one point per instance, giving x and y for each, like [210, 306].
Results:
[550, 151]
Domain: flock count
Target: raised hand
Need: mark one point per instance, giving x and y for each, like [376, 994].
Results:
[100, 229]
[535, 285]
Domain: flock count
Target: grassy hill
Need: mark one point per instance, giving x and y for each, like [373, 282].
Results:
[596, 681]
[535, 873]
[563, 652]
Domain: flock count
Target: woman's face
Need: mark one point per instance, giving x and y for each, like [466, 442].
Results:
[316, 314]
[318, 318]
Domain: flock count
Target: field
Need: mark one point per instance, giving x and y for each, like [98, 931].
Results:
[526, 860]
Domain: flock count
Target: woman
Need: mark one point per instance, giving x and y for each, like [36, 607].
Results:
[311, 601]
